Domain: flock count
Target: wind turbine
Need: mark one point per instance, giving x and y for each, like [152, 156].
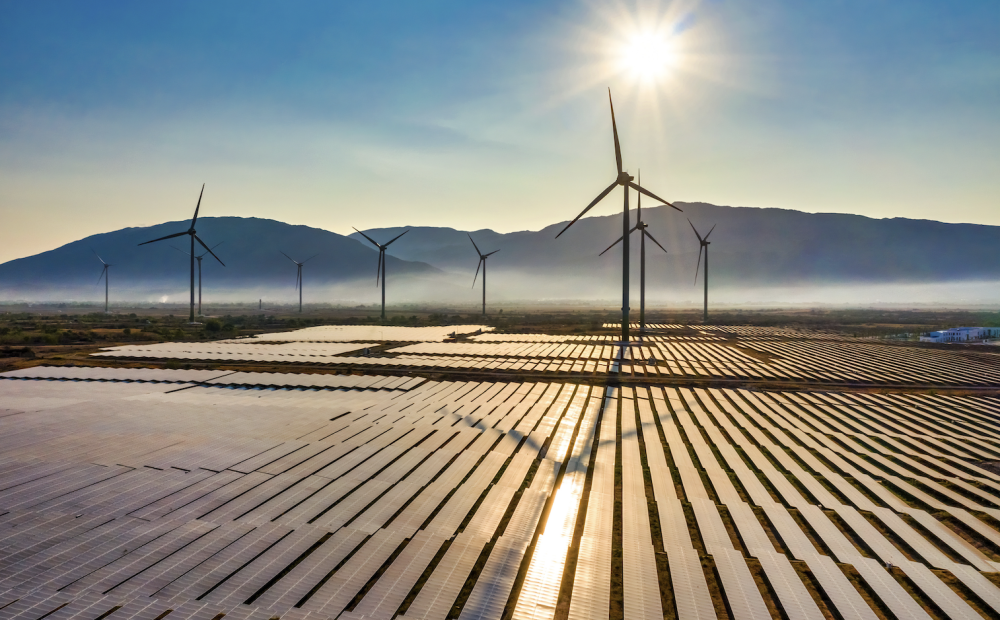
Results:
[482, 262]
[105, 274]
[625, 180]
[198, 258]
[298, 277]
[643, 233]
[704, 246]
[380, 271]
[194, 237]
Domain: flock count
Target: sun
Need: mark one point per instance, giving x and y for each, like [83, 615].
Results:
[647, 56]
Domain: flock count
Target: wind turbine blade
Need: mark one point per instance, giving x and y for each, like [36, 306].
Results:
[309, 259]
[197, 207]
[396, 237]
[288, 257]
[710, 231]
[475, 246]
[646, 232]
[695, 231]
[375, 243]
[167, 237]
[180, 250]
[98, 257]
[378, 269]
[611, 246]
[103, 271]
[478, 265]
[643, 190]
[698, 266]
[209, 250]
[589, 207]
[202, 255]
[614, 128]
[491, 253]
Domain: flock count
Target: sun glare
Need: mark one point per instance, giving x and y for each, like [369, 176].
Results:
[647, 56]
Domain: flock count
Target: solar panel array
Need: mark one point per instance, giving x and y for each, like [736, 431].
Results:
[746, 331]
[243, 351]
[813, 361]
[98, 373]
[740, 353]
[494, 337]
[162, 498]
[351, 333]
[214, 377]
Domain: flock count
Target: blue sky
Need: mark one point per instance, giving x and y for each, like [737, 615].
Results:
[487, 115]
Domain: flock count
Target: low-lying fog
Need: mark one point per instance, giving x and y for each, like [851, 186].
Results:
[512, 287]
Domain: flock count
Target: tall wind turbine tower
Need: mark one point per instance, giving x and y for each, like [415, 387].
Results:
[643, 233]
[380, 271]
[198, 258]
[194, 237]
[481, 263]
[106, 275]
[626, 181]
[704, 246]
[298, 277]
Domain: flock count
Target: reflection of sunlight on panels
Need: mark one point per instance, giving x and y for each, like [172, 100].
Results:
[194, 493]
[541, 583]
[592, 580]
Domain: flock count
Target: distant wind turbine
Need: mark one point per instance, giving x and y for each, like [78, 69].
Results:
[298, 277]
[643, 233]
[625, 180]
[704, 246]
[198, 258]
[380, 271]
[481, 263]
[194, 237]
[105, 274]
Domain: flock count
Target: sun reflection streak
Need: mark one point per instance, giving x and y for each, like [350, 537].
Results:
[544, 577]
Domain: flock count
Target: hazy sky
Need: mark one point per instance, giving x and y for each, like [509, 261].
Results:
[487, 114]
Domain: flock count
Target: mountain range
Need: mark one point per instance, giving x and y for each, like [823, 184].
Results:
[751, 247]
[250, 248]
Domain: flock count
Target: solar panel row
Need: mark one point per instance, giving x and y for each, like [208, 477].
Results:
[828, 360]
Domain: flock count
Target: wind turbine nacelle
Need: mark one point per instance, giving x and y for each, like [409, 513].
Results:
[625, 178]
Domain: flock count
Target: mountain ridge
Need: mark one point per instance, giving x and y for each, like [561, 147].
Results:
[751, 247]
[249, 247]
[750, 244]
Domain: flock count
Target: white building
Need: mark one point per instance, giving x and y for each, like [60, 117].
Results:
[962, 334]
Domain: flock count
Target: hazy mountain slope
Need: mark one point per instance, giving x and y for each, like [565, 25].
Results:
[753, 251]
[250, 248]
[749, 246]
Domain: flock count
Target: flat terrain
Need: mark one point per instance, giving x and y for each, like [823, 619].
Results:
[742, 472]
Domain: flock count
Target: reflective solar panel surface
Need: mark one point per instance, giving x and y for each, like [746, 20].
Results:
[343, 492]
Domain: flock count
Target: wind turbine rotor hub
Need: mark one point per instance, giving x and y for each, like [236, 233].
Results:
[625, 178]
